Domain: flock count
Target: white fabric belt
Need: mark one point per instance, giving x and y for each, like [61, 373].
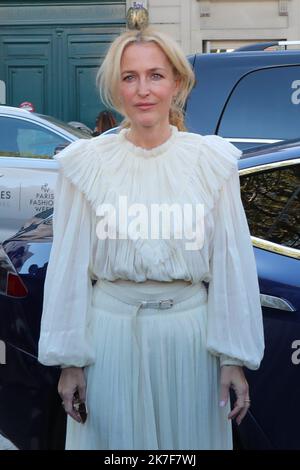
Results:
[123, 294]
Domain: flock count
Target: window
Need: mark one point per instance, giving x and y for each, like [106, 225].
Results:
[264, 104]
[272, 204]
[20, 138]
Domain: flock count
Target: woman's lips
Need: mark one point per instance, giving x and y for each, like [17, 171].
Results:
[145, 106]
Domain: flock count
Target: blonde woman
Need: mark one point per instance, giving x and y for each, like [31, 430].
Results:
[148, 347]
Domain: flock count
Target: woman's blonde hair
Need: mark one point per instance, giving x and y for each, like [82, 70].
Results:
[109, 74]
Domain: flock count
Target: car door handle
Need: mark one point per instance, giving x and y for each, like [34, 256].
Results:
[1, 174]
[272, 301]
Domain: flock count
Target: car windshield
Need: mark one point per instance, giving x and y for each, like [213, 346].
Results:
[64, 125]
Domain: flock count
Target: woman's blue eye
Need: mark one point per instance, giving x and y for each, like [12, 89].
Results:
[157, 76]
[154, 76]
[128, 78]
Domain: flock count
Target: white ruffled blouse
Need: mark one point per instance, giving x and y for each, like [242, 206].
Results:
[186, 169]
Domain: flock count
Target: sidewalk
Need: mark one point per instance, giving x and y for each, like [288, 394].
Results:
[5, 444]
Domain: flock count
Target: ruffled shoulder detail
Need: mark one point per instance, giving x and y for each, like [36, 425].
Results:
[211, 162]
[226, 153]
[216, 151]
[218, 161]
[82, 163]
[222, 156]
[106, 166]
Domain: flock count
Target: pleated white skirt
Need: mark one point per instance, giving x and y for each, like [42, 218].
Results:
[153, 385]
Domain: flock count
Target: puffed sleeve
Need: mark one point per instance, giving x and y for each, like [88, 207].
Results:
[235, 327]
[64, 337]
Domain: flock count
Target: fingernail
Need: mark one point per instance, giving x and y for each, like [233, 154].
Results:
[222, 403]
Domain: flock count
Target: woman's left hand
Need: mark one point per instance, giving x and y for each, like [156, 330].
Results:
[234, 377]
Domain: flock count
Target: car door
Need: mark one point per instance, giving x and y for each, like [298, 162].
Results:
[27, 170]
[271, 197]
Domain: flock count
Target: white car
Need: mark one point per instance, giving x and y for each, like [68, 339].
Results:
[27, 169]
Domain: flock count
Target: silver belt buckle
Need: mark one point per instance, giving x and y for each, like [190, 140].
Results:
[168, 303]
[161, 304]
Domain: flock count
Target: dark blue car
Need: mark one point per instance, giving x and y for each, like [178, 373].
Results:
[30, 410]
[249, 96]
[31, 415]
[270, 187]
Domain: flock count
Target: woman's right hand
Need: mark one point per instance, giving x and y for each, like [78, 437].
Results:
[72, 379]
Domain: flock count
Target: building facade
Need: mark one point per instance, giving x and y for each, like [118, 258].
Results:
[50, 52]
[212, 25]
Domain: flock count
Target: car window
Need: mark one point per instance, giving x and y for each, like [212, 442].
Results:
[264, 104]
[21, 138]
[272, 204]
[72, 130]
